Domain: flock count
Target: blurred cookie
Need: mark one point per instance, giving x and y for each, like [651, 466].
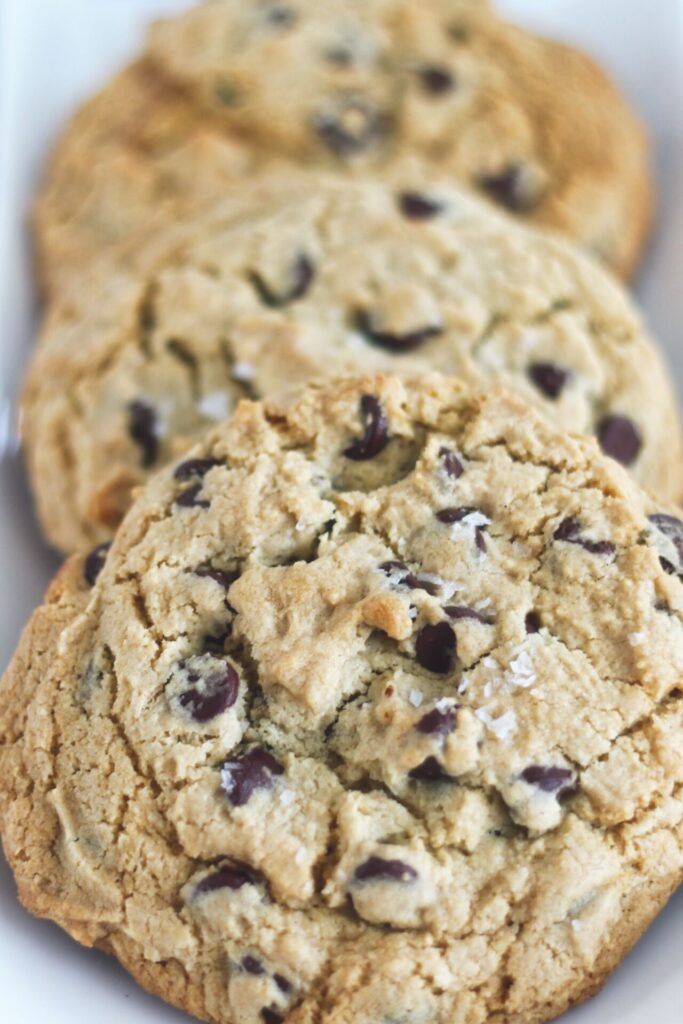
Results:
[372, 712]
[231, 89]
[352, 277]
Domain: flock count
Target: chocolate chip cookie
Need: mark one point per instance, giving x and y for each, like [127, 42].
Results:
[372, 712]
[232, 85]
[350, 278]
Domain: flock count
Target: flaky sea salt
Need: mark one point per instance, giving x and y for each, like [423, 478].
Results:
[415, 697]
[287, 797]
[300, 525]
[215, 406]
[300, 855]
[636, 639]
[243, 371]
[502, 726]
[444, 704]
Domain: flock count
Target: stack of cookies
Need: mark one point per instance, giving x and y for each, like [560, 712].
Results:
[359, 698]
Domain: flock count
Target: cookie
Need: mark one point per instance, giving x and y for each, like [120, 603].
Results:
[231, 90]
[372, 712]
[135, 159]
[347, 279]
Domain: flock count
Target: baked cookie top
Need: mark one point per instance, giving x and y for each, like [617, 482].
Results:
[229, 90]
[371, 712]
[343, 279]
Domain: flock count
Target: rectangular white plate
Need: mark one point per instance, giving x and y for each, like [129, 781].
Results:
[52, 54]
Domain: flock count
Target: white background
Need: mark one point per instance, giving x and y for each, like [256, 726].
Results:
[54, 52]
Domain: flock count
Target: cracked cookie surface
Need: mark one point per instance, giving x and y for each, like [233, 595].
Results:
[353, 277]
[372, 712]
[226, 88]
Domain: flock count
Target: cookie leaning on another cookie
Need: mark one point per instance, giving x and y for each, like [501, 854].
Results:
[228, 90]
[349, 278]
[385, 674]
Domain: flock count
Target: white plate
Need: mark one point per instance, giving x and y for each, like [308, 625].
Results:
[52, 53]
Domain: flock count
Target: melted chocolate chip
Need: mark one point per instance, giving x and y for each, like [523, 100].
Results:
[416, 206]
[225, 878]
[549, 779]
[454, 515]
[450, 462]
[252, 770]
[302, 276]
[349, 125]
[620, 438]
[532, 622]
[271, 1016]
[509, 188]
[142, 427]
[190, 498]
[436, 80]
[375, 437]
[94, 562]
[216, 690]
[549, 378]
[252, 966]
[570, 531]
[281, 16]
[667, 566]
[435, 647]
[394, 342]
[195, 468]
[672, 528]
[220, 576]
[437, 723]
[407, 578]
[376, 869]
[429, 771]
[461, 611]
[282, 983]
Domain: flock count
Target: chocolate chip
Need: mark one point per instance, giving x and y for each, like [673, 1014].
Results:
[301, 278]
[532, 622]
[408, 579]
[142, 427]
[226, 93]
[225, 878]
[271, 1016]
[375, 437]
[435, 647]
[570, 531]
[672, 528]
[393, 342]
[195, 468]
[450, 462]
[282, 983]
[94, 562]
[216, 690]
[429, 771]
[620, 438]
[550, 779]
[189, 498]
[281, 16]
[454, 515]
[461, 611]
[439, 723]
[349, 125]
[416, 206]
[376, 869]
[436, 80]
[667, 566]
[220, 576]
[247, 772]
[549, 378]
[510, 188]
[252, 966]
